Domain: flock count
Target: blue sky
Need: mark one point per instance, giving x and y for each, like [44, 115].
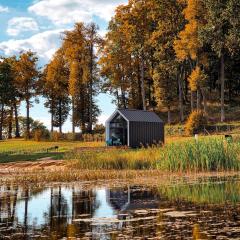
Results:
[37, 25]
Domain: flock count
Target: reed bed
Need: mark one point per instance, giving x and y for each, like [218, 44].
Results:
[206, 154]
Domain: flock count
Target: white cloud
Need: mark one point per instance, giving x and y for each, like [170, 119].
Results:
[65, 11]
[17, 25]
[45, 44]
[102, 119]
[4, 9]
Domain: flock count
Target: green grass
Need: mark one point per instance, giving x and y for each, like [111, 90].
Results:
[21, 150]
[208, 154]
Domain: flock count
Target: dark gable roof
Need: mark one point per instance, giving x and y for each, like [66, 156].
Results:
[140, 115]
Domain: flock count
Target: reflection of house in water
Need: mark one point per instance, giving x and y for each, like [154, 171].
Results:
[132, 198]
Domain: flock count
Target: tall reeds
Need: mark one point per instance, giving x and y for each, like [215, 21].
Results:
[207, 154]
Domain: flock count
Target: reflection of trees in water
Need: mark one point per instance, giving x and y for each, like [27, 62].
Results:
[8, 201]
[206, 192]
[64, 208]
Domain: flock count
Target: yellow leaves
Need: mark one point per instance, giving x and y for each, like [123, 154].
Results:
[192, 9]
[188, 44]
[197, 79]
[73, 78]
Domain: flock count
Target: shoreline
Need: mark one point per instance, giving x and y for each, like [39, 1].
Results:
[50, 174]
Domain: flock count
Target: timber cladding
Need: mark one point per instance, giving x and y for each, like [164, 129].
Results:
[145, 133]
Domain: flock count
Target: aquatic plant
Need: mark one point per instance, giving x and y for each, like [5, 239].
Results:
[206, 154]
[209, 154]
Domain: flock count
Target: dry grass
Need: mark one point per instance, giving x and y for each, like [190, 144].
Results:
[104, 176]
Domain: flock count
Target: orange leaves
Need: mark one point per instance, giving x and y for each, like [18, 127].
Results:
[188, 44]
[197, 79]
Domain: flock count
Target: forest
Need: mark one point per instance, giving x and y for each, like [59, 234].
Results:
[175, 57]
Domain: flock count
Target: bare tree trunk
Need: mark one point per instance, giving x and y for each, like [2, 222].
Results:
[1, 121]
[142, 83]
[10, 121]
[180, 99]
[17, 132]
[198, 100]
[73, 115]
[222, 77]
[204, 101]
[28, 118]
[60, 116]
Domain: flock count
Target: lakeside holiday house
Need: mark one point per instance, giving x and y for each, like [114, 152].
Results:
[134, 128]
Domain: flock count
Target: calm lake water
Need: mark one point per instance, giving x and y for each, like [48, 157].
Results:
[204, 209]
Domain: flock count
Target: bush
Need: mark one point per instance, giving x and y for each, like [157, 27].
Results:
[38, 135]
[73, 136]
[56, 136]
[195, 122]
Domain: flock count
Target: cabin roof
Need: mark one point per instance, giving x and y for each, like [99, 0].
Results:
[140, 116]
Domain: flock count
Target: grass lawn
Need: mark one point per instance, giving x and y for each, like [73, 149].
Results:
[21, 150]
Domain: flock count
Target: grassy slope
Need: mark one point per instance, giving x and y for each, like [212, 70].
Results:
[20, 150]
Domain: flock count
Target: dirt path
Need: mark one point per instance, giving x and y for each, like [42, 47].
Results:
[41, 164]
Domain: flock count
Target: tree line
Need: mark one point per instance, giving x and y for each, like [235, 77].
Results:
[69, 82]
[173, 55]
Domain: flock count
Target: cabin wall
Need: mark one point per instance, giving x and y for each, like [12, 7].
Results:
[145, 133]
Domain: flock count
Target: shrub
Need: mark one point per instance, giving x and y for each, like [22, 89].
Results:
[38, 135]
[56, 136]
[195, 122]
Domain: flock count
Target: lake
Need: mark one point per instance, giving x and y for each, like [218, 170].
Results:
[207, 208]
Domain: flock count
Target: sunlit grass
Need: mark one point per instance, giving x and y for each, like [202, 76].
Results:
[21, 150]
[206, 154]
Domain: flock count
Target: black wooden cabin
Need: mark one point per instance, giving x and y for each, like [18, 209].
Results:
[134, 128]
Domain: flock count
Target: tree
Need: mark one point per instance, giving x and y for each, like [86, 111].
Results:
[55, 89]
[169, 23]
[93, 40]
[188, 46]
[26, 77]
[5, 91]
[79, 49]
[222, 34]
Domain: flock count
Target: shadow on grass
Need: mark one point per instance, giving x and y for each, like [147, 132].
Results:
[7, 158]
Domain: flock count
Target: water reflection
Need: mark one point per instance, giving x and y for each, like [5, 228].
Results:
[204, 210]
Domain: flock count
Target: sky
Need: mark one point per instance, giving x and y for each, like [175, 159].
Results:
[37, 25]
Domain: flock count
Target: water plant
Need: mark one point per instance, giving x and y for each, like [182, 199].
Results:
[206, 154]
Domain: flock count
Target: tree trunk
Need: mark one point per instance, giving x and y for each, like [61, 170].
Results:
[180, 99]
[204, 102]
[90, 124]
[28, 119]
[142, 83]
[60, 117]
[17, 131]
[10, 121]
[222, 77]
[169, 115]
[198, 100]
[1, 121]
[73, 115]
[192, 101]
